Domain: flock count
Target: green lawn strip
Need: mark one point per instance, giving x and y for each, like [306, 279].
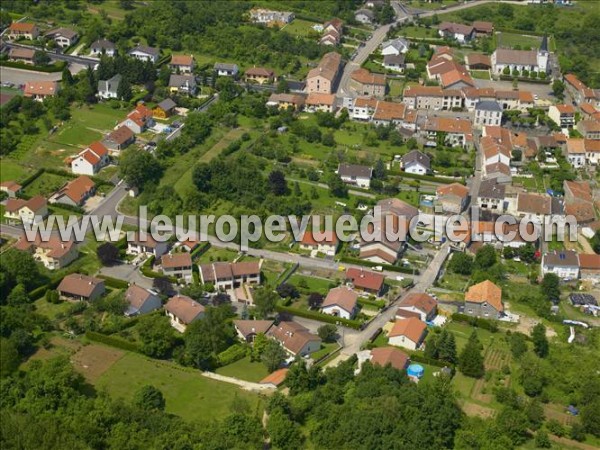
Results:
[46, 184]
[244, 369]
[312, 284]
[480, 74]
[187, 393]
[216, 149]
[11, 170]
[326, 349]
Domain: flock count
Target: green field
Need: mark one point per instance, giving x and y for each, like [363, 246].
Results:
[244, 369]
[10, 170]
[511, 40]
[187, 393]
[312, 284]
[418, 32]
[480, 74]
[46, 184]
[300, 27]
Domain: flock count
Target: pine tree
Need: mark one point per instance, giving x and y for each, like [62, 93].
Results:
[540, 342]
[447, 347]
[470, 362]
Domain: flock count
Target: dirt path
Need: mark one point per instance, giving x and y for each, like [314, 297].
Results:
[584, 243]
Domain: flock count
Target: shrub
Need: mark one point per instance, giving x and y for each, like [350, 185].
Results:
[232, 354]
[112, 341]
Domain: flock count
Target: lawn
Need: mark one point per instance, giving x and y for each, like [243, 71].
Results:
[244, 369]
[46, 184]
[216, 149]
[396, 88]
[214, 254]
[326, 349]
[11, 170]
[462, 332]
[511, 40]
[187, 393]
[418, 32]
[310, 284]
[419, 4]
[300, 27]
[480, 74]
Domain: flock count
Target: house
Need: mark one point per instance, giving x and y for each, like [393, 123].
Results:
[75, 192]
[320, 102]
[576, 152]
[109, 88]
[462, 33]
[592, 151]
[364, 16]
[564, 264]
[589, 112]
[416, 162]
[589, 129]
[580, 92]
[27, 211]
[270, 17]
[164, 109]
[333, 30]
[367, 83]
[76, 286]
[19, 54]
[323, 78]
[432, 97]
[533, 206]
[145, 53]
[23, 30]
[248, 329]
[225, 275]
[11, 188]
[395, 47]
[260, 75]
[498, 171]
[64, 37]
[103, 47]
[394, 62]
[119, 139]
[178, 265]
[182, 63]
[189, 245]
[562, 115]
[141, 301]
[487, 113]
[54, 253]
[39, 90]
[408, 333]
[355, 174]
[424, 305]
[530, 60]
[478, 61]
[365, 281]
[140, 245]
[491, 195]
[483, 28]
[182, 311]
[383, 356]
[325, 242]
[397, 215]
[378, 112]
[139, 119]
[452, 197]
[456, 132]
[285, 101]
[275, 379]
[294, 338]
[589, 267]
[484, 300]
[579, 202]
[340, 302]
[521, 100]
[226, 70]
[183, 84]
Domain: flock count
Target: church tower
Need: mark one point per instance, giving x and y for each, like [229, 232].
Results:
[543, 55]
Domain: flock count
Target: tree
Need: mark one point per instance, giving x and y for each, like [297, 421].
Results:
[41, 58]
[485, 257]
[540, 341]
[107, 253]
[9, 357]
[518, 344]
[542, 440]
[550, 287]
[328, 332]
[162, 285]
[470, 361]
[272, 355]
[282, 86]
[284, 433]
[124, 90]
[558, 89]
[277, 183]
[328, 140]
[67, 78]
[264, 301]
[412, 144]
[577, 432]
[337, 187]
[149, 398]
[513, 423]
[506, 70]
[379, 170]
[590, 419]
[287, 290]
[205, 339]
[314, 300]
[52, 296]
[156, 336]
[461, 263]
[139, 169]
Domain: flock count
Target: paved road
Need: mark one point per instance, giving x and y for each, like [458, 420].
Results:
[19, 76]
[324, 186]
[85, 60]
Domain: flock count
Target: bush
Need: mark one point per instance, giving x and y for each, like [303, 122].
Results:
[418, 357]
[478, 322]
[232, 354]
[376, 303]
[112, 341]
[114, 283]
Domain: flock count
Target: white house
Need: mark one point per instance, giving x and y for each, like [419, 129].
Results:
[63, 37]
[462, 33]
[178, 265]
[103, 47]
[395, 47]
[416, 162]
[182, 311]
[487, 112]
[340, 302]
[91, 160]
[145, 53]
[141, 301]
[139, 246]
[27, 211]
[408, 333]
[530, 60]
[564, 263]
[355, 174]
[109, 88]
[394, 62]
[326, 244]
[576, 154]
[226, 70]
[420, 305]
[364, 16]
[225, 275]
[562, 115]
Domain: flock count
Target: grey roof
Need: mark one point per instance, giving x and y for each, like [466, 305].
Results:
[103, 44]
[393, 60]
[226, 66]
[145, 49]
[562, 258]
[167, 104]
[354, 170]
[65, 32]
[415, 157]
[398, 44]
[491, 189]
[365, 12]
[111, 85]
[181, 80]
[488, 105]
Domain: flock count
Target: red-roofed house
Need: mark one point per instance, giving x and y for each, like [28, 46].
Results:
[27, 211]
[408, 333]
[75, 192]
[182, 311]
[54, 253]
[340, 302]
[39, 90]
[23, 30]
[178, 265]
[11, 188]
[91, 160]
[562, 115]
[182, 63]
[139, 119]
[366, 281]
[324, 242]
[423, 304]
[260, 75]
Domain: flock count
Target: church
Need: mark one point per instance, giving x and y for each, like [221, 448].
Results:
[530, 60]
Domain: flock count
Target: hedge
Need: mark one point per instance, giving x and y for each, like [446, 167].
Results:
[418, 357]
[31, 178]
[431, 178]
[201, 250]
[40, 291]
[232, 354]
[350, 260]
[114, 283]
[112, 341]
[524, 79]
[318, 316]
[485, 324]
[376, 303]
[56, 67]
[66, 173]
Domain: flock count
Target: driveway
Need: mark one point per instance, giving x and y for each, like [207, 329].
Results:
[127, 272]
